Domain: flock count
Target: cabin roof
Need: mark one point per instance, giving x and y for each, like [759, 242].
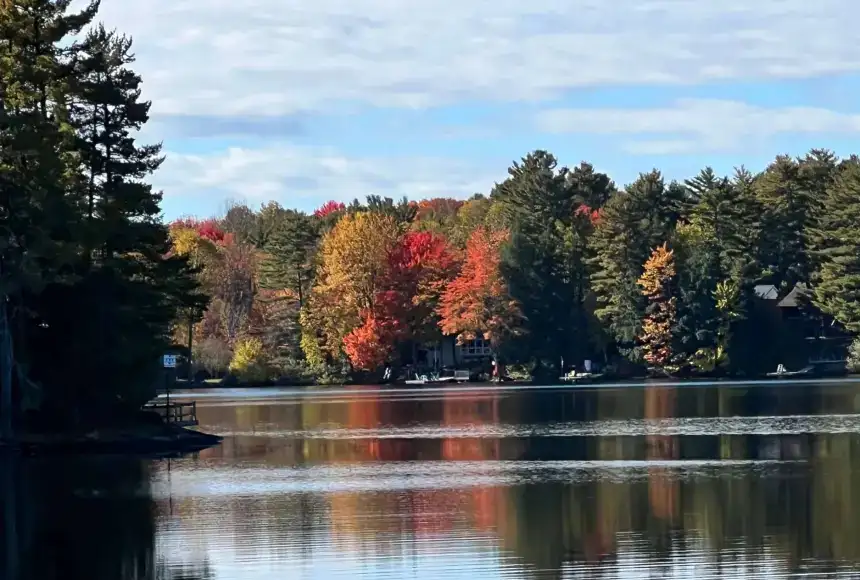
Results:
[766, 291]
[793, 299]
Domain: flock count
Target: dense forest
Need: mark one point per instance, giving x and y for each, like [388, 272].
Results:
[88, 288]
[553, 264]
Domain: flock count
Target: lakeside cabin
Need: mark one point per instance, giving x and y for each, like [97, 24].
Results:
[827, 342]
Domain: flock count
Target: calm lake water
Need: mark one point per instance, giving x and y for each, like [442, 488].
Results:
[650, 481]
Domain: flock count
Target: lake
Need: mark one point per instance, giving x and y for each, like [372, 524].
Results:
[647, 481]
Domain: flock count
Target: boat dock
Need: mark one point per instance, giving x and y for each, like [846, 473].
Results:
[180, 414]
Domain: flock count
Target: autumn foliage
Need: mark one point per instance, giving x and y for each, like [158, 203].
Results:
[369, 345]
[378, 286]
[657, 283]
[329, 208]
[593, 215]
[477, 300]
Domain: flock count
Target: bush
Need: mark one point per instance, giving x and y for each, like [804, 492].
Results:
[853, 359]
[249, 361]
[213, 355]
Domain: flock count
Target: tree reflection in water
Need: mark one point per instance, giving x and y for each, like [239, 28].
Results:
[71, 518]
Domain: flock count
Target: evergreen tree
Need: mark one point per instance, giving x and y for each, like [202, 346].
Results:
[590, 188]
[818, 171]
[837, 237]
[786, 205]
[289, 255]
[127, 295]
[38, 221]
[287, 270]
[89, 292]
[631, 224]
[544, 264]
[723, 217]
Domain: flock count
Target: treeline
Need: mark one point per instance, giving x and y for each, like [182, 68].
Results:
[87, 295]
[554, 264]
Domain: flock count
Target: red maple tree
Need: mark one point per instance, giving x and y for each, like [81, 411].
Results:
[477, 300]
[207, 229]
[418, 270]
[328, 208]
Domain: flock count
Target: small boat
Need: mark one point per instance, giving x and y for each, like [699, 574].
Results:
[781, 371]
[574, 377]
[433, 378]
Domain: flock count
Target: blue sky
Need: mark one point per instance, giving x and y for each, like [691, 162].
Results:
[302, 102]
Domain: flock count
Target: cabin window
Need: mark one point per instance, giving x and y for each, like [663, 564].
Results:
[476, 347]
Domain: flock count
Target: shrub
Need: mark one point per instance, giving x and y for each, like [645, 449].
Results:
[853, 361]
[213, 355]
[249, 361]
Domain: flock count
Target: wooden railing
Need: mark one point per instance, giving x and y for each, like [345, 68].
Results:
[182, 414]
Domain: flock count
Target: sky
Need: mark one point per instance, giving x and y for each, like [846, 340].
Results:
[306, 101]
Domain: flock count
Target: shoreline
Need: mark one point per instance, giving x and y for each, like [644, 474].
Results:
[136, 440]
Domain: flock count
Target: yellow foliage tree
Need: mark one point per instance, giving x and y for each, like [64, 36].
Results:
[658, 282]
[249, 363]
[353, 262]
[187, 241]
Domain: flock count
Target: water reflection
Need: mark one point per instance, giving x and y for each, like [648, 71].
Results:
[657, 481]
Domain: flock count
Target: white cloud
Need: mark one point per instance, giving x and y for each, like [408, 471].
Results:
[699, 125]
[306, 177]
[276, 57]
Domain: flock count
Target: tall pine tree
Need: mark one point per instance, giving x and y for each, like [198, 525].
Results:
[544, 264]
[837, 239]
[631, 225]
[287, 271]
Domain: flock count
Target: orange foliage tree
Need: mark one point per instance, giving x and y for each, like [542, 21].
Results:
[658, 282]
[477, 300]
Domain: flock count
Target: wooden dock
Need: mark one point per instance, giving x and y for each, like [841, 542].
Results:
[180, 414]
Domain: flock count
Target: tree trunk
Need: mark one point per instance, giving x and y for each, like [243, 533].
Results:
[6, 361]
[190, 345]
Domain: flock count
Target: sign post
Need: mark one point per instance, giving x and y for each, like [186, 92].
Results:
[169, 361]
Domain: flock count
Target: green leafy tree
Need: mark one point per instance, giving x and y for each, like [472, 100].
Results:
[89, 292]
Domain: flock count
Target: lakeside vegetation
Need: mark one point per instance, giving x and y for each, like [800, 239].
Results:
[88, 287]
[552, 264]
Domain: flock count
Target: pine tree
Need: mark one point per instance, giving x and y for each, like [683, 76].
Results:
[544, 263]
[83, 247]
[818, 171]
[38, 223]
[127, 294]
[837, 234]
[631, 224]
[289, 255]
[287, 271]
[786, 205]
[728, 218]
